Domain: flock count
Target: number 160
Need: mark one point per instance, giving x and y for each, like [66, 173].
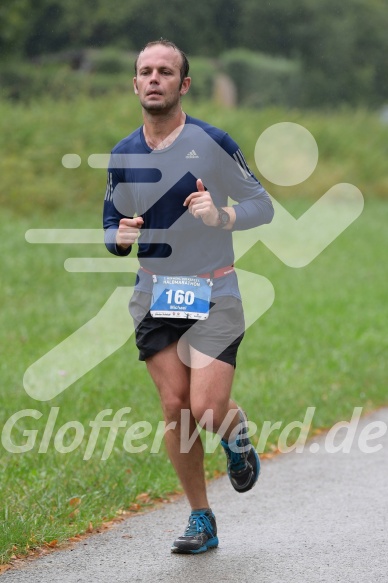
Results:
[180, 297]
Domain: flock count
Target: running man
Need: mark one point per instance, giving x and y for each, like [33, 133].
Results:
[168, 188]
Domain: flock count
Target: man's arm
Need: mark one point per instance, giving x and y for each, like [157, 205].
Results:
[120, 231]
[254, 206]
[233, 179]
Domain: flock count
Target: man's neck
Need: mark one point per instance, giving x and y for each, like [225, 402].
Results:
[161, 130]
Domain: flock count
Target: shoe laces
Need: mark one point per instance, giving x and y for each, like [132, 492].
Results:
[238, 459]
[198, 523]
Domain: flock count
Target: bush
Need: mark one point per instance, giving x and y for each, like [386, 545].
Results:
[17, 80]
[26, 81]
[110, 61]
[263, 80]
[203, 72]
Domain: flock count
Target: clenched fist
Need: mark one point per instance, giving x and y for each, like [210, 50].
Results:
[128, 232]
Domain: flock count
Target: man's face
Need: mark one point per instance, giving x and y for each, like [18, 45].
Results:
[158, 79]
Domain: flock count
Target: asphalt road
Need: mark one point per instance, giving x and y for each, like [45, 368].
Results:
[312, 517]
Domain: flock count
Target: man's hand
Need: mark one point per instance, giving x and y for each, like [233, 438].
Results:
[201, 205]
[128, 232]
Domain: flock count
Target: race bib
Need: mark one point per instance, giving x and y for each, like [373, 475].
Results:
[180, 297]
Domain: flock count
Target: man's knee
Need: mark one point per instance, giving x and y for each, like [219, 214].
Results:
[210, 415]
[173, 405]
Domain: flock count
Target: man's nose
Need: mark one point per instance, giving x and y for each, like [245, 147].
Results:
[154, 76]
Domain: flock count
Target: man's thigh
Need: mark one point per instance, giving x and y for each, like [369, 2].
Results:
[219, 336]
[171, 376]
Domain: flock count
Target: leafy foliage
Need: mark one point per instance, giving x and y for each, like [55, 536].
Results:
[262, 80]
[340, 48]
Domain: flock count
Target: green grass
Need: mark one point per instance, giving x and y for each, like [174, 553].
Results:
[321, 344]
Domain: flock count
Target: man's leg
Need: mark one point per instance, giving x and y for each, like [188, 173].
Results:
[210, 402]
[172, 379]
[210, 389]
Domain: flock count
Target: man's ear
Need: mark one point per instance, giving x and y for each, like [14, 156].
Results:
[185, 85]
[135, 86]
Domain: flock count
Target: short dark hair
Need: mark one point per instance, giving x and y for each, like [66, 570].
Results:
[167, 43]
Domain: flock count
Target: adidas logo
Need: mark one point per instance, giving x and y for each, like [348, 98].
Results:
[192, 154]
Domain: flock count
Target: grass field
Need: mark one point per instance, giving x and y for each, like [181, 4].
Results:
[322, 343]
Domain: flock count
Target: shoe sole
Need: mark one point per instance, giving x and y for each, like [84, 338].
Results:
[210, 544]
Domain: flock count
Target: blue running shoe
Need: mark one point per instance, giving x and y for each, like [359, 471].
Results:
[243, 461]
[200, 534]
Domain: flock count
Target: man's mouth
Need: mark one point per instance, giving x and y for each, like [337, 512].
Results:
[154, 92]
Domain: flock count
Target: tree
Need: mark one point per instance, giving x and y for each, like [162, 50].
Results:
[14, 26]
[341, 47]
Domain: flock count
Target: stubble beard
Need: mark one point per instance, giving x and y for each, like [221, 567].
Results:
[160, 108]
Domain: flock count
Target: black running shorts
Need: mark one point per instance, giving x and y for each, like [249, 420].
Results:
[219, 336]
